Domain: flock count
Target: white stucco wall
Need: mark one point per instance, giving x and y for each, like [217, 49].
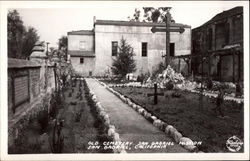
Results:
[84, 68]
[135, 35]
[74, 46]
[74, 41]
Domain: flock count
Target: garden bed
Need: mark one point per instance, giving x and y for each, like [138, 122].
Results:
[80, 128]
[185, 114]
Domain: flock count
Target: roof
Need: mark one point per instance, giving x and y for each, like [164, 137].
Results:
[38, 54]
[81, 32]
[133, 23]
[78, 53]
[223, 15]
[38, 48]
[21, 63]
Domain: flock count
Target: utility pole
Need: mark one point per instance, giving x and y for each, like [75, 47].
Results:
[47, 51]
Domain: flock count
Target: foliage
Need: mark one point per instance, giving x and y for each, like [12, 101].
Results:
[21, 39]
[160, 68]
[151, 14]
[136, 15]
[63, 47]
[63, 42]
[209, 84]
[55, 102]
[124, 62]
[142, 78]
[169, 85]
[43, 119]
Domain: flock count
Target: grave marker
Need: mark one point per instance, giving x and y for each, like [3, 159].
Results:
[155, 94]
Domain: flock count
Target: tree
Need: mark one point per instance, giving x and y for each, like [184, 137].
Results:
[124, 62]
[29, 40]
[136, 16]
[21, 40]
[63, 42]
[63, 46]
[156, 15]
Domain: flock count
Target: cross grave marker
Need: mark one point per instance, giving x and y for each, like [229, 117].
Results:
[155, 94]
[169, 28]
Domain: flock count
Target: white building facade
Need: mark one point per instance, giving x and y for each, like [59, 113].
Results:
[92, 51]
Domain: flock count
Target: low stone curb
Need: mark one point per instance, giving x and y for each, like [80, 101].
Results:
[169, 130]
[102, 114]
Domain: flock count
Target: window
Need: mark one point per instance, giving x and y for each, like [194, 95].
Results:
[81, 60]
[227, 33]
[172, 49]
[144, 49]
[82, 45]
[210, 38]
[114, 48]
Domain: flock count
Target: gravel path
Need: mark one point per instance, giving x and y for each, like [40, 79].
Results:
[131, 126]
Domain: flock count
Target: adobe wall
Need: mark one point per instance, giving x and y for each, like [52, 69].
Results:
[135, 35]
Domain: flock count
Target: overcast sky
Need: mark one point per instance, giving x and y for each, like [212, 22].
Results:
[52, 20]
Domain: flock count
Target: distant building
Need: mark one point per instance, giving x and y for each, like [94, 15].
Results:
[91, 52]
[220, 41]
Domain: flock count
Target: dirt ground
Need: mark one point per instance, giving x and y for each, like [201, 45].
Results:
[80, 127]
[185, 114]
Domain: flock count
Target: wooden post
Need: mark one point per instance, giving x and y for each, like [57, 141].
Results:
[239, 66]
[167, 59]
[201, 90]
[55, 77]
[209, 67]
[179, 65]
[233, 67]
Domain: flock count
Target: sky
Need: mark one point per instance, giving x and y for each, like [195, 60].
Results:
[52, 20]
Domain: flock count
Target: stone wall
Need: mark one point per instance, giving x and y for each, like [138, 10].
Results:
[26, 90]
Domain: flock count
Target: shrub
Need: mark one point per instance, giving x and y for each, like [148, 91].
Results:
[169, 85]
[124, 62]
[43, 120]
[209, 84]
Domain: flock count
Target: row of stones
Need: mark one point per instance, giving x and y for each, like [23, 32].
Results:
[187, 143]
[210, 94]
[102, 114]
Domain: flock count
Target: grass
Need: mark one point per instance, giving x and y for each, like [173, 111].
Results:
[184, 113]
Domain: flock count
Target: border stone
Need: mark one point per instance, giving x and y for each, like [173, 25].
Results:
[187, 143]
[104, 116]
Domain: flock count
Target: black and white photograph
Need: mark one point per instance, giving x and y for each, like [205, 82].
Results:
[124, 80]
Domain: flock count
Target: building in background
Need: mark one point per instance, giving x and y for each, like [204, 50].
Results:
[220, 42]
[91, 52]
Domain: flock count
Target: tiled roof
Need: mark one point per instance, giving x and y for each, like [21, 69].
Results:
[81, 32]
[133, 23]
[78, 53]
[224, 14]
[38, 54]
[38, 48]
[21, 63]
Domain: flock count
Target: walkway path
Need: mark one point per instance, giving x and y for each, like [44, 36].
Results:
[130, 125]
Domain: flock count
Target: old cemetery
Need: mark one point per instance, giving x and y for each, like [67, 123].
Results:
[68, 123]
[186, 106]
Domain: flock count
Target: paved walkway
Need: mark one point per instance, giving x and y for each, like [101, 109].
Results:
[130, 125]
